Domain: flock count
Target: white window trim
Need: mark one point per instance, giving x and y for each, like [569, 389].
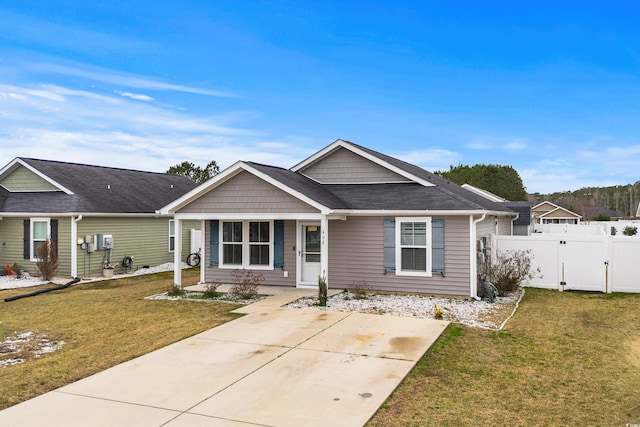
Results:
[33, 256]
[245, 247]
[429, 262]
[172, 221]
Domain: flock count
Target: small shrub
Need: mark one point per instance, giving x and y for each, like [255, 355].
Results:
[630, 230]
[47, 259]
[438, 312]
[175, 291]
[211, 290]
[360, 289]
[322, 291]
[245, 283]
[510, 269]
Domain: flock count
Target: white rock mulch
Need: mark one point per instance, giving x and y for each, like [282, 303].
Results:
[481, 314]
[13, 282]
[168, 266]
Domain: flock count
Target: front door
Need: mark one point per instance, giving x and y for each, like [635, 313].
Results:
[309, 254]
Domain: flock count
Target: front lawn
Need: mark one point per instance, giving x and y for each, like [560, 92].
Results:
[563, 359]
[102, 324]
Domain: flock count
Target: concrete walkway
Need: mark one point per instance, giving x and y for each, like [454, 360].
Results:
[273, 367]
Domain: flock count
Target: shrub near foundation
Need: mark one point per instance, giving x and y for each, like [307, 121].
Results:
[510, 269]
[245, 283]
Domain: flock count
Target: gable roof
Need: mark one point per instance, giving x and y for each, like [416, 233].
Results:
[87, 189]
[547, 208]
[424, 191]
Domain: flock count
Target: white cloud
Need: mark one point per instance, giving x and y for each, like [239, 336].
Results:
[136, 96]
[431, 159]
[493, 143]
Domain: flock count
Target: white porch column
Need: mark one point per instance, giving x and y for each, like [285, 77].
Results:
[177, 253]
[324, 249]
[203, 251]
[74, 246]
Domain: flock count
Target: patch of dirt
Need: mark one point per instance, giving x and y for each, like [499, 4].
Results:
[19, 348]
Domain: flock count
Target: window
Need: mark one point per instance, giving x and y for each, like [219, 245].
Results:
[40, 232]
[413, 246]
[172, 235]
[247, 244]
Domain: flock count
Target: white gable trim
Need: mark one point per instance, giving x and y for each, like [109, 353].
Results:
[226, 175]
[348, 146]
[484, 193]
[561, 209]
[19, 162]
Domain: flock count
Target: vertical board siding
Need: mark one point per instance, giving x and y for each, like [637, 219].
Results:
[273, 277]
[356, 254]
[249, 194]
[343, 166]
[23, 179]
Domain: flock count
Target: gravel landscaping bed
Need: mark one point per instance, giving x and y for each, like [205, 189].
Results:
[481, 314]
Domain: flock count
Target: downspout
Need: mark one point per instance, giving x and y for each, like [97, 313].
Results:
[514, 219]
[473, 256]
[74, 245]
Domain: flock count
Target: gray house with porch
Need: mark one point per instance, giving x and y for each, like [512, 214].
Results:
[346, 213]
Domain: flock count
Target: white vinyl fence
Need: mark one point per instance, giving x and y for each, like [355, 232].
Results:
[580, 262]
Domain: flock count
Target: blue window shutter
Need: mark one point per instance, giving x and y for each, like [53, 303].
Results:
[214, 225]
[437, 246]
[389, 245]
[278, 243]
[26, 239]
[54, 233]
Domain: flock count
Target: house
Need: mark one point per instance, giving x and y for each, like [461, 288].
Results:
[593, 213]
[346, 213]
[549, 213]
[522, 224]
[93, 215]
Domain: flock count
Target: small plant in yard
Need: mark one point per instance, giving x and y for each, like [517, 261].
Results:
[360, 289]
[510, 269]
[211, 290]
[47, 259]
[630, 231]
[245, 283]
[322, 291]
[175, 291]
[438, 312]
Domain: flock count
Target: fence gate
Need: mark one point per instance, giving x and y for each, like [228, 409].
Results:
[568, 262]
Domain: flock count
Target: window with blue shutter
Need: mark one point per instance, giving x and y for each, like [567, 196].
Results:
[214, 225]
[278, 244]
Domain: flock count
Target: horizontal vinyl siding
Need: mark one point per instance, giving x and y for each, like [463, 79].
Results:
[343, 166]
[486, 227]
[356, 253]
[246, 193]
[23, 179]
[11, 238]
[273, 277]
[144, 239]
[504, 226]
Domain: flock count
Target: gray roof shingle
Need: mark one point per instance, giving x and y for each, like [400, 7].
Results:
[97, 189]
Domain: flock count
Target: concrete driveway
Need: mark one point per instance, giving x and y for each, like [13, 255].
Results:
[273, 367]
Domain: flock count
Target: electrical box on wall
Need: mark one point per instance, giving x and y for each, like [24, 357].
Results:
[104, 241]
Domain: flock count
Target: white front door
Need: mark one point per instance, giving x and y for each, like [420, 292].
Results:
[309, 253]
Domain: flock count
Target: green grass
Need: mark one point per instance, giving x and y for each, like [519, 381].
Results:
[564, 359]
[103, 324]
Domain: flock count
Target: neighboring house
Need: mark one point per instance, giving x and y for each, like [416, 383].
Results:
[593, 212]
[348, 214]
[522, 225]
[85, 209]
[549, 213]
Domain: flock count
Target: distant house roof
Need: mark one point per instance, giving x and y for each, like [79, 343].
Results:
[524, 212]
[84, 189]
[422, 190]
[593, 211]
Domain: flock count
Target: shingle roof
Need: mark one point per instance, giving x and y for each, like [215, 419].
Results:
[97, 189]
[524, 211]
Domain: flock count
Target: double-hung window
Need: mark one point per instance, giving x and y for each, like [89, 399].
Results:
[40, 232]
[247, 244]
[413, 246]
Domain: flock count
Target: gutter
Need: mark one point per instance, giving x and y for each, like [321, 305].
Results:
[473, 257]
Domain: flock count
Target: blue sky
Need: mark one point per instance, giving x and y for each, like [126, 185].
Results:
[550, 88]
